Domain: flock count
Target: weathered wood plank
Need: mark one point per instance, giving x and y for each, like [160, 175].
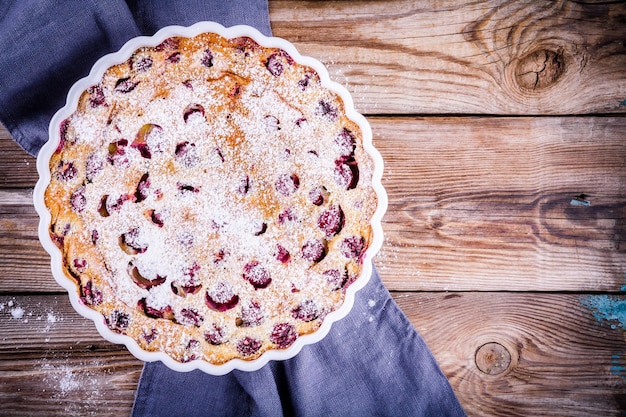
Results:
[560, 354]
[466, 57]
[24, 264]
[474, 204]
[54, 362]
[491, 203]
[17, 168]
[564, 360]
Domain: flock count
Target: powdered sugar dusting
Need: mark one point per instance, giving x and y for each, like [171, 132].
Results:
[194, 172]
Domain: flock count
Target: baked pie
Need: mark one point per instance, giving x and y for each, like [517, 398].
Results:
[211, 198]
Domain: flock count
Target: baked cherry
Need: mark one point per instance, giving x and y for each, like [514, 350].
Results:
[66, 171]
[282, 254]
[192, 109]
[336, 278]
[93, 166]
[257, 227]
[305, 82]
[256, 274]
[219, 256]
[94, 236]
[63, 128]
[117, 153]
[157, 313]
[78, 201]
[248, 346]
[215, 335]
[189, 284]
[314, 250]
[142, 146]
[331, 221]
[274, 65]
[141, 63]
[287, 184]
[191, 317]
[80, 264]
[326, 110]
[125, 85]
[143, 188]
[286, 215]
[283, 335]
[272, 124]
[192, 344]
[102, 207]
[346, 173]
[346, 143]
[318, 196]
[109, 205]
[89, 295]
[96, 96]
[132, 242]
[251, 315]
[144, 282]
[244, 186]
[167, 44]
[235, 91]
[118, 321]
[151, 336]
[221, 297]
[186, 154]
[187, 188]
[207, 58]
[113, 205]
[149, 136]
[353, 247]
[156, 218]
[306, 311]
[173, 58]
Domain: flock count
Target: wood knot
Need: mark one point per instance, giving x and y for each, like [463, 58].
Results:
[492, 358]
[540, 69]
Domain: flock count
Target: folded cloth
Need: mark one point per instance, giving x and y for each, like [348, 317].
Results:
[372, 362]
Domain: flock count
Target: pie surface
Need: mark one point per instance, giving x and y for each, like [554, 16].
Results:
[211, 199]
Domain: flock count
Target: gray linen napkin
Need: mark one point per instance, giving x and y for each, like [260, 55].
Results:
[372, 363]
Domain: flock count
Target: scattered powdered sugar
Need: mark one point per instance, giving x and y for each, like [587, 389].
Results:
[29, 311]
[75, 385]
[17, 312]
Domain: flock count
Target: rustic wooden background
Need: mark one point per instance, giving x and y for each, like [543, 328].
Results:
[502, 127]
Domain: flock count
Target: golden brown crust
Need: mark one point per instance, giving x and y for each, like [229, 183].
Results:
[211, 198]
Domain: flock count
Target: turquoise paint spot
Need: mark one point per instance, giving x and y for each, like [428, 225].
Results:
[623, 289]
[607, 308]
[617, 368]
[622, 103]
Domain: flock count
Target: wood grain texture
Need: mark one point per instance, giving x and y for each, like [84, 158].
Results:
[499, 57]
[523, 217]
[491, 203]
[53, 362]
[564, 362]
[560, 355]
[17, 168]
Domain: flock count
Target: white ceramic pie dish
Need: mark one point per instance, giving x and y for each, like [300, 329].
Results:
[48, 149]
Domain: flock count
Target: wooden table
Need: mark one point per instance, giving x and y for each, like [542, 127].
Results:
[502, 128]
